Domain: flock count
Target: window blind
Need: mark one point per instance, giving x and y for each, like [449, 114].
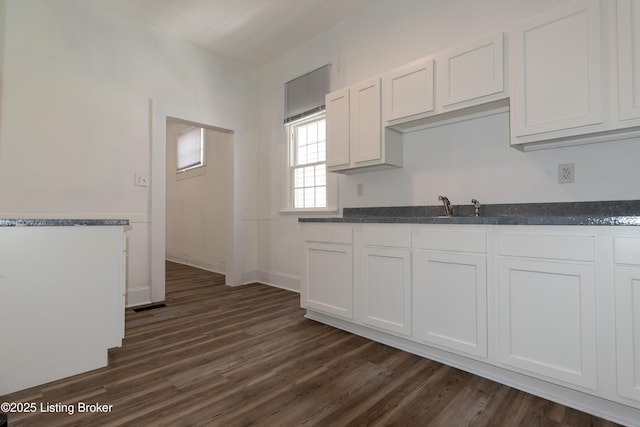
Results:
[190, 149]
[304, 95]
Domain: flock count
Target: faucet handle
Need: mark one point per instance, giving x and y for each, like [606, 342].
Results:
[476, 204]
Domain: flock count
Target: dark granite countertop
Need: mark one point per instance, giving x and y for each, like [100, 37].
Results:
[37, 222]
[617, 213]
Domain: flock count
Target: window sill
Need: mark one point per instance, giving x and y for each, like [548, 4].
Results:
[191, 173]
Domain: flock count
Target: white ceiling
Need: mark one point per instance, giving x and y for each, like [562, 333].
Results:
[249, 31]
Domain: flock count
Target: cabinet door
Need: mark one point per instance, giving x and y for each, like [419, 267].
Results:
[408, 90]
[629, 59]
[627, 285]
[557, 76]
[468, 74]
[450, 301]
[365, 135]
[386, 289]
[337, 109]
[547, 319]
[327, 282]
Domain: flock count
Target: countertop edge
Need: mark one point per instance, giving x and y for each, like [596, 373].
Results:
[496, 220]
[44, 222]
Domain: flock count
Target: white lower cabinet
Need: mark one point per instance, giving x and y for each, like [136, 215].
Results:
[384, 281]
[627, 290]
[548, 320]
[547, 307]
[450, 291]
[552, 310]
[327, 281]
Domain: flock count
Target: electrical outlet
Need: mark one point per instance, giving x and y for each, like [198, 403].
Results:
[566, 173]
[141, 181]
[360, 189]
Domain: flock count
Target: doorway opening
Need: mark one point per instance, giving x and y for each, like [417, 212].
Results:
[160, 116]
[197, 198]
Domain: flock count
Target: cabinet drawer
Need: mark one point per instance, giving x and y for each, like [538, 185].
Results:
[549, 246]
[328, 233]
[451, 240]
[627, 250]
[395, 236]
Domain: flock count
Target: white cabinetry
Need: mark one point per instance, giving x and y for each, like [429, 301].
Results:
[628, 37]
[384, 281]
[337, 109]
[355, 137]
[407, 91]
[557, 84]
[547, 316]
[450, 290]
[327, 280]
[627, 289]
[552, 310]
[62, 293]
[471, 74]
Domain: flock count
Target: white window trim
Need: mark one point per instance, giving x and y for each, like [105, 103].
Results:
[332, 179]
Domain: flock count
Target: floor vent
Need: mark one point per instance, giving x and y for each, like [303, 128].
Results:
[148, 307]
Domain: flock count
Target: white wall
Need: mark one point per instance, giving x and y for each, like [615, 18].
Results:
[76, 85]
[463, 160]
[197, 202]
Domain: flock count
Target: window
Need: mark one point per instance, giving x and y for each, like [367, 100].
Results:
[309, 186]
[190, 149]
[307, 142]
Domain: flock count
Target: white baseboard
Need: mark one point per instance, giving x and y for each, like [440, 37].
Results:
[138, 295]
[204, 264]
[279, 280]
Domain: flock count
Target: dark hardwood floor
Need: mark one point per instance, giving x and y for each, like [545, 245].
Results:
[246, 356]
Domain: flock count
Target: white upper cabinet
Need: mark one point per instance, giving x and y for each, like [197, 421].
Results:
[407, 91]
[337, 109]
[557, 83]
[356, 139]
[576, 75]
[628, 37]
[365, 134]
[471, 74]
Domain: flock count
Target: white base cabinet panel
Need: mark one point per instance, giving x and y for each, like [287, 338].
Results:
[384, 280]
[628, 330]
[548, 320]
[450, 289]
[386, 289]
[627, 297]
[450, 301]
[62, 301]
[327, 281]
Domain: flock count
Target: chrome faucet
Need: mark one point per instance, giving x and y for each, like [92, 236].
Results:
[476, 203]
[447, 205]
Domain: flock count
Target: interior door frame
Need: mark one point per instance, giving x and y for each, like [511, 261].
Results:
[159, 114]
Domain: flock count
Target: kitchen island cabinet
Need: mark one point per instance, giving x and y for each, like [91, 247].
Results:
[61, 298]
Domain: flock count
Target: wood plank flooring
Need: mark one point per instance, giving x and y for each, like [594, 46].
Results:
[246, 356]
